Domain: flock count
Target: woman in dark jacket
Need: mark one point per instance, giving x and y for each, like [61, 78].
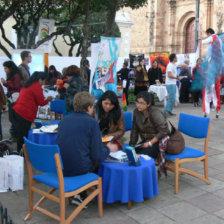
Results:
[25, 109]
[142, 80]
[73, 86]
[53, 75]
[149, 123]
[110, 117]
[13, 83]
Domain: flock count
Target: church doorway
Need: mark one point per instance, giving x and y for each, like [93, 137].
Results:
[189, 36]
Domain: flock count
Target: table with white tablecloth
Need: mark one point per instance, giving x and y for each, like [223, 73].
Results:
[162, 93]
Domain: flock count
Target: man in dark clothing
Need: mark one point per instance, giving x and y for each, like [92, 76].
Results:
[123, 76]
[79, 138]
[185, 82]
[155, 73]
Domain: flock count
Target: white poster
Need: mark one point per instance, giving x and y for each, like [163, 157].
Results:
[46, 27]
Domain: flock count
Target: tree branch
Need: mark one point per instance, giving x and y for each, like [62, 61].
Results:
[55, 47]
[5, 51]
[6, 39]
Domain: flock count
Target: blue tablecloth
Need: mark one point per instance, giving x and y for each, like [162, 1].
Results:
[42, 138]
[122, 182]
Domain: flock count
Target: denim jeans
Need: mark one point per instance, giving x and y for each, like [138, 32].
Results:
[171, 89]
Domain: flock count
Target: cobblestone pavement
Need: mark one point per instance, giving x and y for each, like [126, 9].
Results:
[196, 202]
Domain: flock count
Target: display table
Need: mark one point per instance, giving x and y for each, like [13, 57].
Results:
[162, 93]
[125, 183]
[42, 138]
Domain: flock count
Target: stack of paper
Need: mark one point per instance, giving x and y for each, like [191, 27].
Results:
[50, 128]
[119, 155]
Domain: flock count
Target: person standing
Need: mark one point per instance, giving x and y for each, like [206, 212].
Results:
[2, 105]
[198, 81]
[214, 58]
[123, 75]
[171, 78]
[185, 73]
[13, 83]
[142, 80]
[155, 73]
[24, 68]
[25, 108]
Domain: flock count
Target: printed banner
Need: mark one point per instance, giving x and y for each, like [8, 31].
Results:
[135, 59]
[46, 27]
[162, 59]
[105, 73]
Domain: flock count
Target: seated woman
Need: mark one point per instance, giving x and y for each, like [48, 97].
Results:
[110, 117]
[149, 123]
[25, 108]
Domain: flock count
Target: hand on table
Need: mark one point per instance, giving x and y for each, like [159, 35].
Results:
[49, 98]
[112, 147]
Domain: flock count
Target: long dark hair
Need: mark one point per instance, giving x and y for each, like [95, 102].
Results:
[50, 75]
[35, 77]
[13, 69]
[114, 114]
[146, 96]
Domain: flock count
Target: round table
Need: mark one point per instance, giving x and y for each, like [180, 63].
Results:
[125, 183]
[42, 138]
[162, 93]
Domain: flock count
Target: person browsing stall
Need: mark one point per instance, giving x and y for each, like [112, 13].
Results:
[110, 117]
[25, 108]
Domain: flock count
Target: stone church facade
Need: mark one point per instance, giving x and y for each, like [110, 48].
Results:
[169, 25]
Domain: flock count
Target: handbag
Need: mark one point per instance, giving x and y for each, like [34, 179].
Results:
[176, 143]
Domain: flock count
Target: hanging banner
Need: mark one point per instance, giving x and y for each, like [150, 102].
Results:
[105, 74]
[46, 27]
[162, 59]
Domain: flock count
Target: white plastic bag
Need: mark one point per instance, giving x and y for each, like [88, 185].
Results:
[16, 172]
[4, 183]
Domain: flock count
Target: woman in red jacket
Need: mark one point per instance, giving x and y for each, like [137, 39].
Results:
[25, 109]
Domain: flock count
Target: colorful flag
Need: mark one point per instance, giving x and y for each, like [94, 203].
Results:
[124, 103]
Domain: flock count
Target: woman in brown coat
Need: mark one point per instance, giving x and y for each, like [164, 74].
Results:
[141, 80]
[149, 123]
[110, 117]
[2, 104]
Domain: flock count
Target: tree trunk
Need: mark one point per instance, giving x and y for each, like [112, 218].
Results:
[85, 44]
[110, 18]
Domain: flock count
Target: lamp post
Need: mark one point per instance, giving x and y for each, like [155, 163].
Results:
[196, 24]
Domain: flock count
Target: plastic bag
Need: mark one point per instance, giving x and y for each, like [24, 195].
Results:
[15, 172]
[4, 183]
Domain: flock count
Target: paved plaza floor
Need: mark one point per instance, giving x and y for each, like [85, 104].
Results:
[196, 202]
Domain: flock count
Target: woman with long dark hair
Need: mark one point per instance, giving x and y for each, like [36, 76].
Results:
[25, 109]
[13, 83]
[110, 117]
[149, 123]
[53, 75]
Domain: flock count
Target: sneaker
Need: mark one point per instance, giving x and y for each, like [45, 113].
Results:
[171, 114]
[217, 116]
[77, 200]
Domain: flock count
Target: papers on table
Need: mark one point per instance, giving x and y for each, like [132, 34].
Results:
[49, 128]
[48, 93]
[117, 157]
[36, 131]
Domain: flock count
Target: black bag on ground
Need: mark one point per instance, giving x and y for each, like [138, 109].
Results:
[5, 148]
[176, 143]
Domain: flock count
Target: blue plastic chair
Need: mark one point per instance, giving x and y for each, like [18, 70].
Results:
[195, 127]
[57, 106]
[128, 121]
[47, 159]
